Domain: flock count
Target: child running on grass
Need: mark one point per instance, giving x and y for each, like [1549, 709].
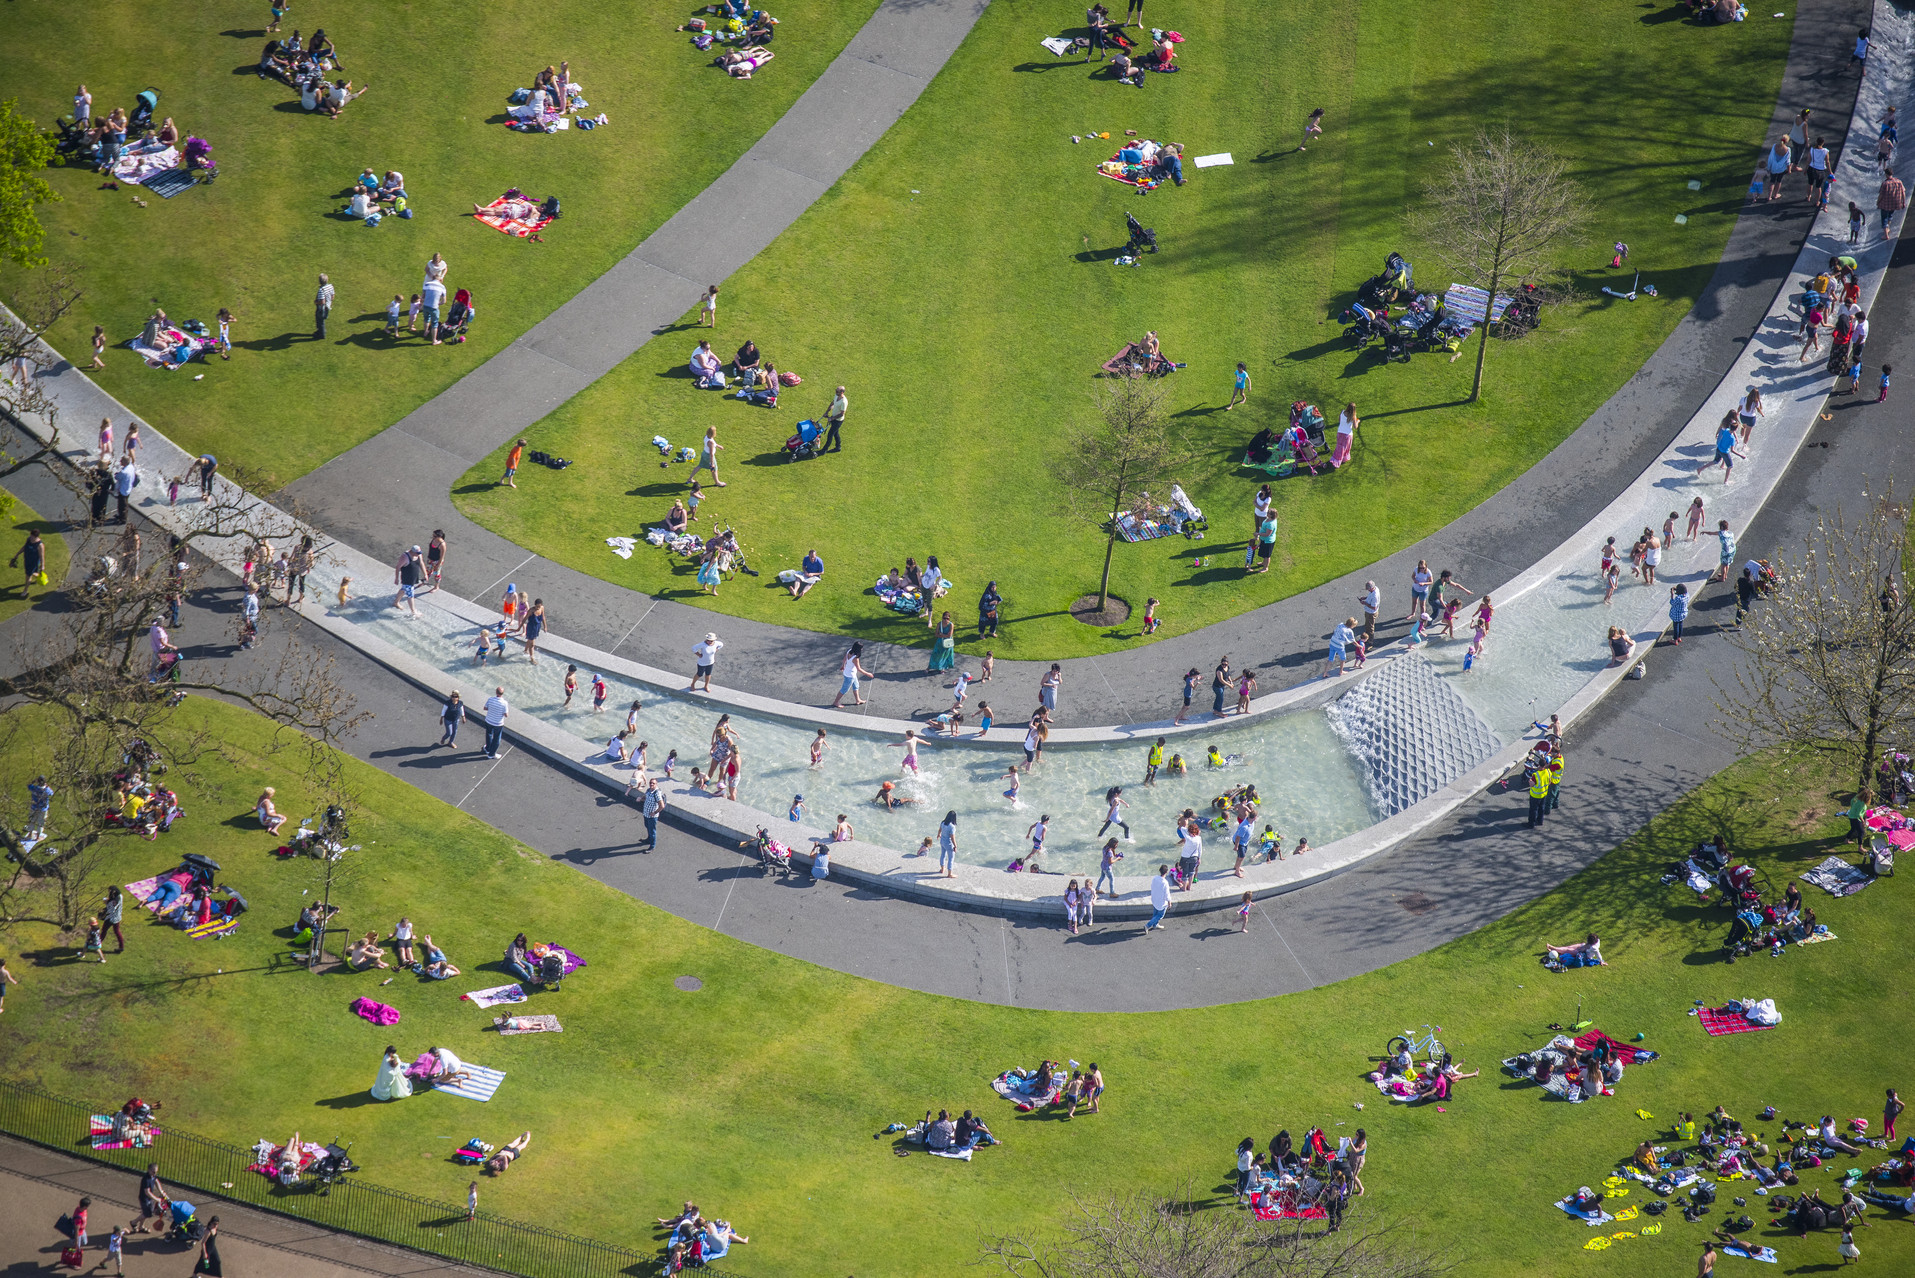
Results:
[1242, 394]
[1314, 128]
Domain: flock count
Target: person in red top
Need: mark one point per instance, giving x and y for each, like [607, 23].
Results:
[1891, 199]
[79, 1223]
[512, 463]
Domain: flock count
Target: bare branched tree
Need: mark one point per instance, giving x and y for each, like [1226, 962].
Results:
[1497, 219]
[1113, 462]
[88, 667]
[1149, 1237]
[44, 300]
[1829, 659]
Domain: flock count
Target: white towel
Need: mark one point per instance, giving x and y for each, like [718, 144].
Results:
[496, 995]
[1213, 161]
[479, 1083]
[1057, 44]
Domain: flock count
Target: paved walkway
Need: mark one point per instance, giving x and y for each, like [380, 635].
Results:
[39, 1185]
[391, 491]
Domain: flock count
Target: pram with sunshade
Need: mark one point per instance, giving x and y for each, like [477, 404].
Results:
[805, 442]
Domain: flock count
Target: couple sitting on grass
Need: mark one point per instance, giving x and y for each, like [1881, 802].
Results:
[945, 1134]
[695, 1240]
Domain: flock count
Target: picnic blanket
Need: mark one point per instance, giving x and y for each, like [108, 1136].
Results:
[1131, 528]
[1058, 45]
[136, 168]
[100, 1132]
[1132, 360]
[1622, 1051]
[1591, 1218]
[496, 995]
[212, 927]
[266, 1157]
[1213, 161]
[1398, 1089]
[479, 1083]
[498, 221]
[1129, 174]
[185, 347]
[1284, 1205]
[1837, 877]
[541, 1024]
[962, 1155]
[1720, 1020]
[146, 889]
[572, 961]
[622, 546]
[167, 183]
[1018, 1086]
[1559, 1053]
[1469, 304]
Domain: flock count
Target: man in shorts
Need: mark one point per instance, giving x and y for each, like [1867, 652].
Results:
[706, 655]
[407, 575]
[433, 294]
[512, 464]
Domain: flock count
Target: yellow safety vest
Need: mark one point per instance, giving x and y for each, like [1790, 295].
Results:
[1539, 784]
[1555, 774]
[1156, 758]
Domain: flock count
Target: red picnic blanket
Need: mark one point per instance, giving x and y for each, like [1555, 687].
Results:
[1719, 1020]
[494, 217]
[1284, 1207]
[1116, 170]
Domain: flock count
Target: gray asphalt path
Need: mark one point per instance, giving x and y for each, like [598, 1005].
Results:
[393, 490]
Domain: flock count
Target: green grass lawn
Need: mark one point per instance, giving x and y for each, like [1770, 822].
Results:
[255, 240]
[757, 1095]
[959, 281]
[19, 519]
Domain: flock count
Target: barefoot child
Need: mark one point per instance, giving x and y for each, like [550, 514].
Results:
[818, 749]
[1012, 777]
[1243, 914]
[598, 692]
[1241, 395]
[571, 686]
[99, 347]
[345, 591]
[225, 318]
[910, 744]
[418, 308]
[1150, 617]
[1314, 128]
[394, 309]
[990, 658]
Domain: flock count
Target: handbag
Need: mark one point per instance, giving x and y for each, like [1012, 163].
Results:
[946, 642]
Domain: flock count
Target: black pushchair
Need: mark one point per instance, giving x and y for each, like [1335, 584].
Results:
[1395, 279]
[805, 442]
[1365, 325]
[330, 1166]
[1143, 239]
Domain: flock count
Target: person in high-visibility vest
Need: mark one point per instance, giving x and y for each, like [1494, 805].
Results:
[1555, 779]
[1538, 794]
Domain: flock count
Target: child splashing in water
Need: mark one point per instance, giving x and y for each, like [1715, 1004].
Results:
[910, 744]
[1016, 784]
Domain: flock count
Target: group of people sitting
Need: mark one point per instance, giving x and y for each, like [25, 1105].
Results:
[1130, 67]
[553, 93]
[297, 63]
[945, 1134]
[370, 192]
[1302, 1178]
[758, 379]
[694, 1240]
[1432, 1080]
[1157, 160]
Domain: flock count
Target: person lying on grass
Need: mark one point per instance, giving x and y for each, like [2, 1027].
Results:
[1585, 953]
[436, 967]
[496, 1165]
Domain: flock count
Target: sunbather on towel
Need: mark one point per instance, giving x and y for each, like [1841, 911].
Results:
[496, 1165]
[514, 209]
[740, 63]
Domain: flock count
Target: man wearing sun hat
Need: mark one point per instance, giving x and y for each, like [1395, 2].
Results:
[706, 654]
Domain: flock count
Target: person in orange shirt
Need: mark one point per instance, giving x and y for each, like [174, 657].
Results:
[512, 463]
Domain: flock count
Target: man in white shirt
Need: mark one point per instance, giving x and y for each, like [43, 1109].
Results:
[495, 711]
[125, 479]
[1192, 856]
[706, 654]
[433, 295]
[1371, 599]
[1159, 899]
[322, 307]
[834, 418]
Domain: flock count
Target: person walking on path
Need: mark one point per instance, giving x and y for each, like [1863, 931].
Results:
[1883, 397]
[451, 715]
[705, 653]
[112, 910]
[653, 804]
[947, 845]
[1538, 795]
[1859, 58]
[1678, 610]
[1159, 899]
[512, 459]
[1371, 600]
[1726, 543]
[435, 558]
[406, 575]
[208, 1262]
[834, 421]
[852, 670]
[79, 1223]
[1726, 451]
[1219, 686]
[1799, 139]
[943, 645]
[322, 307]
[1191, 678]
[34, 552]
[1107, 869]
[1047, 689]
[6, 978]
[125, 480]
[496, 710]
[1420, 581]
[1241, 395]
[1748, 410]
[1777, 166]
[1891, 199]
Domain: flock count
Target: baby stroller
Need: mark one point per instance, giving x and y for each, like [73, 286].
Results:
[74, 139]
[104, 571]
[1366, 324]
[1394, 280]
[166, 668]
[1185, 516]
[1523, 313]
[772, 855]
[805, 442]
[1143, 239]
[148, 101]
[331, 1165]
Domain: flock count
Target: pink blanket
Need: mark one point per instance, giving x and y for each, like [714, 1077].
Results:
[377, 1013]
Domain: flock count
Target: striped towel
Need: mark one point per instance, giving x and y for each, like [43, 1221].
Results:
[213, 927]
[100, 1131]
[479, 1083]
[543, 1024]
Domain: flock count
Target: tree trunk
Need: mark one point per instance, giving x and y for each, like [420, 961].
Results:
[1482, 343]
[1103, 587]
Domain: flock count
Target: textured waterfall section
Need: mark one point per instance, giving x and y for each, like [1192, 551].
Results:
[1412, 732]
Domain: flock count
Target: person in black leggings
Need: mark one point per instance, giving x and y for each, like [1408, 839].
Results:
[1135, 14]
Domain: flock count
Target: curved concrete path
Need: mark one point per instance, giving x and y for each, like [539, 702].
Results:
[391, 491]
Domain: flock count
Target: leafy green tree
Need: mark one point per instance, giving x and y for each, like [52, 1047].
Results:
[24, 151]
